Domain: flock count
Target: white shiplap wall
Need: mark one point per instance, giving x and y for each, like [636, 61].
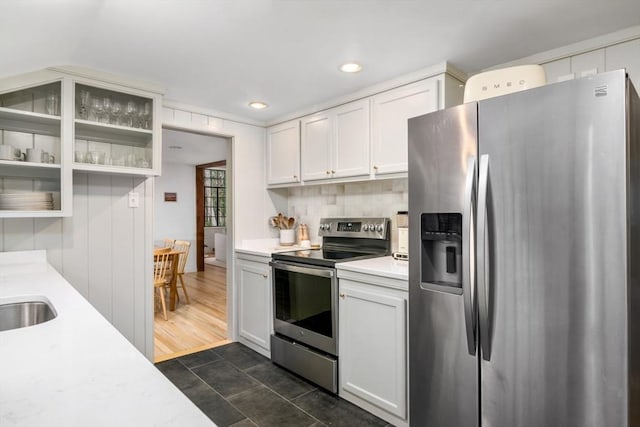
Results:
[102, 250]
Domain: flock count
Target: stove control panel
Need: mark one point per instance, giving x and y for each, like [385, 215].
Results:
[369, 228]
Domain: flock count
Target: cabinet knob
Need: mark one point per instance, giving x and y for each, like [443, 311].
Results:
[295, 177]
[328, 172]
[332, 172]
[265, 275]
[342, 295]
[375, 168]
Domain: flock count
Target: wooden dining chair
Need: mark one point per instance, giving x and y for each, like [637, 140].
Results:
[168, 243]
[161, 263]
[184, 246]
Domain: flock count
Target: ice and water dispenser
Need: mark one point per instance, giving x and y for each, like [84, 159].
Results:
[441, 235]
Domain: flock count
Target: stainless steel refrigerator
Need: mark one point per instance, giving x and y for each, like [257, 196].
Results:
[524, 293]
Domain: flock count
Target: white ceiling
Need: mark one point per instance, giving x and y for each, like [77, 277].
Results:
[221, 54]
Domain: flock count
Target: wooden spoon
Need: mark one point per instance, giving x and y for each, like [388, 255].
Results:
[290, 222]
[280, 221]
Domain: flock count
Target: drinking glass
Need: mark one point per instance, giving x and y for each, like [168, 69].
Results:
[108, 109]
[80, 156]
[52, 104]
[97, 109]
[130, 111]
[83, 104]
[116, 112]
[146, 116]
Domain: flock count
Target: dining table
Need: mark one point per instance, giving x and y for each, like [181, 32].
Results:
[174, 255]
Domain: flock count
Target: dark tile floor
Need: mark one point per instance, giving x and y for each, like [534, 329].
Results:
[235, 386]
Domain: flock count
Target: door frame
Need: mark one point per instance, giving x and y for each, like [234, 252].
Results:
[200, 209]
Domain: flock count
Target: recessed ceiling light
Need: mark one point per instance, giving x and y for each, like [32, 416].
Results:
[351, 67]
[258, 105]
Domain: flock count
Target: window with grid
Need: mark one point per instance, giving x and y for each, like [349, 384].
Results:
[214, 198]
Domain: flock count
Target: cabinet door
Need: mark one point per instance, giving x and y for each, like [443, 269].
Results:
[351, 141]
[373, 348]
[283, 153]
[254, 300]
[588, 64]
[316, 140]
[391, 110]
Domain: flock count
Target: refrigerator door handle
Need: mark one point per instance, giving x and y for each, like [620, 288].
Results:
[468, 277]
[483, 258]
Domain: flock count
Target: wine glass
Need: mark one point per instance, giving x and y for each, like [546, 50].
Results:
[97, 109]
[146, 123]
[116, 112]
[108, 109]
[85, 98]
[130, 112]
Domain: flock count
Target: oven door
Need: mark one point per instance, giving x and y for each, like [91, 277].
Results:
[305, 301]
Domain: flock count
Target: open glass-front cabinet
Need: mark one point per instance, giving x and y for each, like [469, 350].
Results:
[33, 182]
[60, 120]
[114, 130]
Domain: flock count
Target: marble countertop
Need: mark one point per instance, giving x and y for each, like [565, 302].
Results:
[383, 266]
[77, 369]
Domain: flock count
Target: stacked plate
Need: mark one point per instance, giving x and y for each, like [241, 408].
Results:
[35, 201]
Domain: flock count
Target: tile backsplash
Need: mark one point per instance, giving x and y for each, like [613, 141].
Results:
[382, 198]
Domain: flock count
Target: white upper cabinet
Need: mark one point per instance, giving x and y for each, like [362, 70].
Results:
[315, 146]
[351, 146]
[391, 110]
[335, 142]
[359, 140]
[283, 153]
[33, 152]
[116, 129]
[625, 55]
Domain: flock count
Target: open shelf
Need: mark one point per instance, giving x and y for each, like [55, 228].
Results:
[26, 121]
[104, 132]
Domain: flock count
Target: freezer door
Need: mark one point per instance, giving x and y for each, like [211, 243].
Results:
[552, 254]
[443, 367]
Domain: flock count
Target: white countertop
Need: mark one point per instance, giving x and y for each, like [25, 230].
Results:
[77, 369]
[383, 266]
[263, 247]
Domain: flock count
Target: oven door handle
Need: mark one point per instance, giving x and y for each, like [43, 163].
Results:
[297, 268]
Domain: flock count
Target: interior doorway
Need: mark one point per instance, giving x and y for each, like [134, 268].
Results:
[211, 218]
[202, 322]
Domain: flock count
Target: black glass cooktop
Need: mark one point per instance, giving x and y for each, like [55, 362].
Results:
[324, 257]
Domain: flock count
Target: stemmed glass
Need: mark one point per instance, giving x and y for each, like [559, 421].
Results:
[83, 110]
[97, 108]
[146, 115]
[108, 109]
[116, 112]
[130, 112]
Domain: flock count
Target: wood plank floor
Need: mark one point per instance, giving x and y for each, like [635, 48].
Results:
[196, 326]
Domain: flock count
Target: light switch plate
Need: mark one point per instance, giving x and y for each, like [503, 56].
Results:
[134, 199]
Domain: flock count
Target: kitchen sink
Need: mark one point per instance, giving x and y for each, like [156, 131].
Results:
[20, 314]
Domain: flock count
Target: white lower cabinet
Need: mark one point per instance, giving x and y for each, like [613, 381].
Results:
[373, 345]
[255, 325]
